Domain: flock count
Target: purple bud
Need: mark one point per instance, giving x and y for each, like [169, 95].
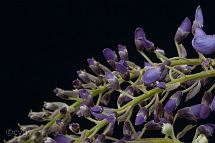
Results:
[84, 94]
[94, 66]
[84, 110]
[195, 112]
[49, 140]
[111, 118]
[140, 40]
[97, 109]
[161, 51]
[98, 116]
[121, 67]
[77, 84]
[105, 99]
[206, 129]
[183, 30]
[54, 105]
[151, 75]
[83, 76]
[123, 53]
[207, 99]
[123, 98]
[199, 20]
[203, 43]
[100, 139]
[27, 127]
[74, 127]
[62, 139]
[110, 56]
[158, 112]
[161, 85]
[206, 63]
[38, 116]
[173, 102]
[141, 116]
[213, 104]
[112, 80]
[152, 125]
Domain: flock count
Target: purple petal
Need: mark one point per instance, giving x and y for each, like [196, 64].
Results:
[170, 105]
[114, 84]
[123, 53]
[141, 116]
[97, 109]
[204, 112]
[151, 75]
[213, 104]
[183, 31]
[62, 139]
[109, 54]
[206, 129]
[199, 16]
[204, 44]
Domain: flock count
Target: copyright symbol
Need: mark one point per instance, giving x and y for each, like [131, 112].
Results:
[9, 132]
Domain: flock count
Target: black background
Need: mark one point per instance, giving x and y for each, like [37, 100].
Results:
[44, 43]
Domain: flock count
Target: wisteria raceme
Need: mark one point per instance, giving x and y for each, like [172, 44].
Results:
[136, 99]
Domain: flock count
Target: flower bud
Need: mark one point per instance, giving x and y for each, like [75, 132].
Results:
[173, 102]
[201, 139]
[123, 53]
[112, 80]
[110, 56]
[84, 110]
[27, 127]
[127, 130]
[54, 105]
[39, 116]
[100, 139]
[199, 20]
[213, 104]
[74, 127]
[195, 112]
[94, 66]
[183, 30]
[141, 116]
[66, 94]
[83, 76]
[96, 109]
[49, 140]
[77, 84]
[141, 42]
[207, 129]
[121, 67]
[62, 139]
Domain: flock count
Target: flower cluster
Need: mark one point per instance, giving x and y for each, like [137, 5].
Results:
[152, 94]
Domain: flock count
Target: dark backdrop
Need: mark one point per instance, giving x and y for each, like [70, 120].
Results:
[44, 43]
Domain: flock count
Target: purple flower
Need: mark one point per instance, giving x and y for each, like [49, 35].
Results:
[141, 116]
[140, 40]
[121, 67]
[94, 66]
[99, 116]
[62, 139]
[97, 109]
[110, 56]
[123, 53]
[85, 95]
[123, 98]
[112, 80]
[195, 112]
[173, 102]
[183, 30]
[84, 110]
[199, 20]
[111, 118]
[161, 85]
[206, 129]
[203, 43]
[153, 74]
